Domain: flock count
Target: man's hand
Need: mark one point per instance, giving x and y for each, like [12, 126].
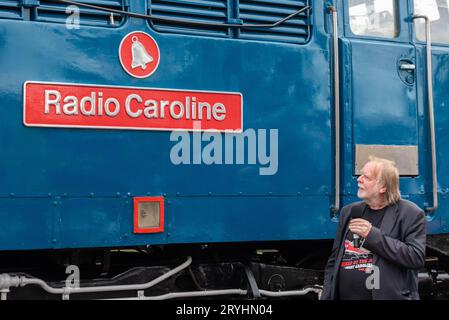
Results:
[360, 227]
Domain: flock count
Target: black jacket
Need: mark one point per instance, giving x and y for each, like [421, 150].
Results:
[398, 248]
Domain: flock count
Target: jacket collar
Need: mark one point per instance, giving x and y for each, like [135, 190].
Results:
[390, 217]
[388, 223]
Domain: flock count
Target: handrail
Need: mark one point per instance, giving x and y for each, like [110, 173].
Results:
[333, 11]
[431, 110]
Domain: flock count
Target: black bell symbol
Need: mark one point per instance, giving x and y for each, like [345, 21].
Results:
[139, 54]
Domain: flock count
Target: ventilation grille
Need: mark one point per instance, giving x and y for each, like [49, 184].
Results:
[10, 9]
[296, 30]
[50, 11]
[209, 11]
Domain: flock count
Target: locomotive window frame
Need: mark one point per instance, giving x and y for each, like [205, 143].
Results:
[397, 24]
[419, 33]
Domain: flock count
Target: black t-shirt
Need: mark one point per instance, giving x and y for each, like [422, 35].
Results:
[352, 276]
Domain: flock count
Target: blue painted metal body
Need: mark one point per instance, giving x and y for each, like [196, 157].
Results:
[69, 188]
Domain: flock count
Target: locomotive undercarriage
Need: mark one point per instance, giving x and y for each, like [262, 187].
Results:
[282, 270]
[231, 271]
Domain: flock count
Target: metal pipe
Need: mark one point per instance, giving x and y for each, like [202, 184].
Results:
[65, 291]
[291, 293]
[431, 110]
[439, 276]
[4, 294]
[443, 277]
[333, 10]
[192, 294]
[206, 293]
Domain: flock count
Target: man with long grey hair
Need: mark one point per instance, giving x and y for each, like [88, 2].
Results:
[380, 242]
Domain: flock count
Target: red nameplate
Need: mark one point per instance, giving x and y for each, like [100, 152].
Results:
[111, 107]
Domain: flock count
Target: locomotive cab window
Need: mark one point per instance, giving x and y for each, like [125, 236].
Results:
[373, 18]
[438, 13]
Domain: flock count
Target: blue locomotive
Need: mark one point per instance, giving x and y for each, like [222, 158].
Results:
[190, 148]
